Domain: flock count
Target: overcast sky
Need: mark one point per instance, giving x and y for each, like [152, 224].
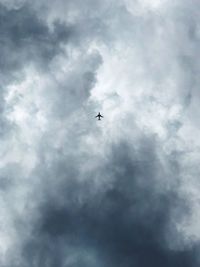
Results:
[120, 192]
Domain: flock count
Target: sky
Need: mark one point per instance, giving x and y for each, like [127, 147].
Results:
[120, 192]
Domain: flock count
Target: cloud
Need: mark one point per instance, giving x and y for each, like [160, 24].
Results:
[122, 221]
[24, 40]
[78, 192]
[29, 38]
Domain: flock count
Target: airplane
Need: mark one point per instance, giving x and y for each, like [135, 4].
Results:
[99, 116]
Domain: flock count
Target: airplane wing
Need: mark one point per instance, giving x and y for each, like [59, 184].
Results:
[96, 116]
[101, 116]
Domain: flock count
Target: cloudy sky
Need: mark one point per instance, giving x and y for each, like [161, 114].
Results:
[121, 192]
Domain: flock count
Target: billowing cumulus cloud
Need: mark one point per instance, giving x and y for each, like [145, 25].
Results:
[123, 191]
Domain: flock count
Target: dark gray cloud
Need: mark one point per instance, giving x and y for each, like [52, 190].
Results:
[78, 192]
[123, 224]
[26, 38]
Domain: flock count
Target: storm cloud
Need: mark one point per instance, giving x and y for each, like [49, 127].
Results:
[123, 191]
